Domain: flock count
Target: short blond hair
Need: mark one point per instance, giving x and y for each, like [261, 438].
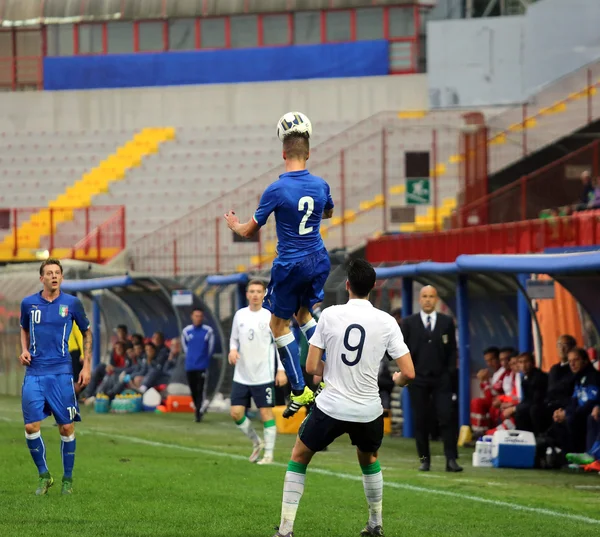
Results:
[296, 146]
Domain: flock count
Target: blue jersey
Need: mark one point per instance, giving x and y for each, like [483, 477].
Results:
[298, 200]
[49, 325]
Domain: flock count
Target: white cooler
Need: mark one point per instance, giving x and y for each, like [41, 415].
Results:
[513, 449]
[482, 457]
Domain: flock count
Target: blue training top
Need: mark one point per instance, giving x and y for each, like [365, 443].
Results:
[298, 200]
[49, 325]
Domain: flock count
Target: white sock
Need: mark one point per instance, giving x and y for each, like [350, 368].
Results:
[293, 488]
[270, 433]
[245, 425]
[373, 485]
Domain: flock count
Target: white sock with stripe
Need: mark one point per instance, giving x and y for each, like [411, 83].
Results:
[270, 434]
[373, 485]
[245, 425]
[293, 488]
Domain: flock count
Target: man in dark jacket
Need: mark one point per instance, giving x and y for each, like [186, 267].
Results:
[431, 338]
[534, 385]
[561, 380]
[570, 423]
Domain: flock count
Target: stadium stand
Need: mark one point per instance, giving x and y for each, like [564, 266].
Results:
[89, 174]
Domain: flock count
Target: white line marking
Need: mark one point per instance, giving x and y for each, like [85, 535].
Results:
[390, 484]
[587, 487]
[320, 471]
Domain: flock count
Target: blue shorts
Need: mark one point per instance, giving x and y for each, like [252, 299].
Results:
[296, 284]
[262, 395]
[46, 395]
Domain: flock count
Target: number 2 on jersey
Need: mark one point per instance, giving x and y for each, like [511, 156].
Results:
[352, 348]
[307, 205]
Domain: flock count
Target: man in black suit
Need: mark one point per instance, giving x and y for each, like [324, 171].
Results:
[431, 338]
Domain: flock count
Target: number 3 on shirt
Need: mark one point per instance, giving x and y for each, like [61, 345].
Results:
[306, 205]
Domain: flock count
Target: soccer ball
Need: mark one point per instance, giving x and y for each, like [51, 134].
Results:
[293, 122]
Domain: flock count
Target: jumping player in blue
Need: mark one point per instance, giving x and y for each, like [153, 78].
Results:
[46, 322]
[300, 202]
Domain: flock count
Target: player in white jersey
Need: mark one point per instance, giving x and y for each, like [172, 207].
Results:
[356, 337]
[252, 352]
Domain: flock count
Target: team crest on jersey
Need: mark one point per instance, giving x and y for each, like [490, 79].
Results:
[262, 326]
[63, 311]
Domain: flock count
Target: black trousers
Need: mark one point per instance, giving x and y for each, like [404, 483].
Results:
[532, 418]
[437, 392]
[196, 381]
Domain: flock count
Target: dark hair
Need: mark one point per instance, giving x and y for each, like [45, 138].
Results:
[296, 146]
[510, 350]
[527, 355]
[361, 277]
[256, 282]
[582, 353]
[160, 335]
[198, 309]
[123, 327]
[50, 261]
[137, 338]
[492, 350]
[569, 340]
[150, 344]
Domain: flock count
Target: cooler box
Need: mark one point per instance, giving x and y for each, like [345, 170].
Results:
[179, 403]
[290, 425]
[482, 457]
[513, 449]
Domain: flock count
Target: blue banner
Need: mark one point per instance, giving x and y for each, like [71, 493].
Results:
[341, 60]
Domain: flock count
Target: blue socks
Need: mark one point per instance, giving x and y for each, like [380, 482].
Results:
[67, 451]
[308, 330]
[290, 358]
[38, 451]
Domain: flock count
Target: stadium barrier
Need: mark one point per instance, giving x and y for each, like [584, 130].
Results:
[88, 233]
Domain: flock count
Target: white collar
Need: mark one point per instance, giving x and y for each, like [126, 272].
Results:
[363, 302]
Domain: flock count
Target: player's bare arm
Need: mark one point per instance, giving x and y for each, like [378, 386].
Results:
[247, 230]
[233, 357]
[86, 371]
[25, 357]
[314, 361]
[281, 378]
[327, 213]
[407, 370]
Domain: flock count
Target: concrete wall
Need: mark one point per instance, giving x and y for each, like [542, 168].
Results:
[503, 60]
[561, 36]
[351, 99]
[475, 62]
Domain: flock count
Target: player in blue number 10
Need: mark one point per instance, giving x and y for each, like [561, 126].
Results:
[300, 201]
[46, 322]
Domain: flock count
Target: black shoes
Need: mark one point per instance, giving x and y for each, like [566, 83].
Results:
[452, 466]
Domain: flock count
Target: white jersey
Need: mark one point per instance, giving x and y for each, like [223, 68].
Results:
[356, 337]
[251, 337]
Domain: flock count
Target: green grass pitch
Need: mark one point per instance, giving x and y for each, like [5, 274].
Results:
[165, 476]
